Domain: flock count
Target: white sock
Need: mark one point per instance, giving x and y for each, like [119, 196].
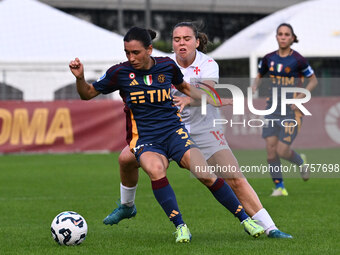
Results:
[264, 220]
[127, 195]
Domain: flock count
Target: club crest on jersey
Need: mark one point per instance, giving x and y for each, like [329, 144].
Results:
[287, 69]
[271, 66]
[148, 79]
[161, 78]
[132, 76]
[197, 70]
[279, 68]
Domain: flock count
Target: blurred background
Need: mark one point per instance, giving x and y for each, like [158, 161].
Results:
[39, 38]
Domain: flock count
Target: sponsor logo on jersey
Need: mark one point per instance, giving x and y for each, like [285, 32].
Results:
[279, 68]
[134, 82]
[132, 76]
[161, 78]
[154, 95]
[148, 79]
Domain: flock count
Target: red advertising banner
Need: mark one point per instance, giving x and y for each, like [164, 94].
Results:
[320, 130]
[99, 125]
[61, 126]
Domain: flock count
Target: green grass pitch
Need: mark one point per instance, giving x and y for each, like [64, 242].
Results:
[35, 188]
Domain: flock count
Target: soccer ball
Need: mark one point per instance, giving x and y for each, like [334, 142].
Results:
[69, 228]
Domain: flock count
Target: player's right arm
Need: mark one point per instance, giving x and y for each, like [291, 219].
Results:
[256, 83]
[85, 90]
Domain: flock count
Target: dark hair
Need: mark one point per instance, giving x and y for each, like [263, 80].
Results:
[143, 35]
[291, 29]
[202, 37]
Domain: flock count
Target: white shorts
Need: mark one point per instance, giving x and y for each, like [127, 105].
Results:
[210, 141]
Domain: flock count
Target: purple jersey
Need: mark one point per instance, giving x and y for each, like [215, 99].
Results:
[284, 72]
[151, 114]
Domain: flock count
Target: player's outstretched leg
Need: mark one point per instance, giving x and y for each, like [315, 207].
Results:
[225, 195]
[120, 213]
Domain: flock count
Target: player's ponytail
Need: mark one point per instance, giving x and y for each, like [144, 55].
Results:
[152, 34]
[145, 36]
[291, 29]
[203, 46]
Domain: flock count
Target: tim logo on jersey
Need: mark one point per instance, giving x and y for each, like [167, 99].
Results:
[153, 96]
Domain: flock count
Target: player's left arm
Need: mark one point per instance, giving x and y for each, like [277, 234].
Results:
[308, 72]
[312, 83]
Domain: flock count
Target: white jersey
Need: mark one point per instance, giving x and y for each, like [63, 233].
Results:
[201, 126]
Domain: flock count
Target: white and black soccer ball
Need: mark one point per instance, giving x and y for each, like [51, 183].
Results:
[69, 228]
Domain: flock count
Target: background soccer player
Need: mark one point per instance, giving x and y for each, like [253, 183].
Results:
[285, 67]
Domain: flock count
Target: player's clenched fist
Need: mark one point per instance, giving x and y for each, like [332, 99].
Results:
[77, 68]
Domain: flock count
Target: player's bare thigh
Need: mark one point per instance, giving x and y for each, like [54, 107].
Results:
[283, 150]
[154, 164]
[194, 161]
[127, 159]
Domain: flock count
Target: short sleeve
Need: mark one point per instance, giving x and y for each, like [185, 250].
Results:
[263, 66]
[177, 77]
[108, 82]
[210, 70]
[305, 68]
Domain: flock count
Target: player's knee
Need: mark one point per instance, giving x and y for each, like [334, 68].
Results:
[271, 152]
[155, 170]
[283, 153]
[126, 159]
[236, 183]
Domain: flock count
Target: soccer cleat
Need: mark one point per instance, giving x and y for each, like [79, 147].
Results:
[252, 228]
[183, 234]
[276, 233]
[304, 170]
[279, 192]
[120, 213]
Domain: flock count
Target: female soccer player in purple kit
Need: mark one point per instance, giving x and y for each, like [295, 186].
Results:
[156, 132]
[189, 45]
[285, 67]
